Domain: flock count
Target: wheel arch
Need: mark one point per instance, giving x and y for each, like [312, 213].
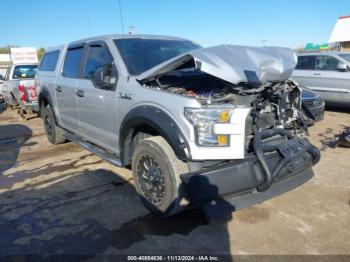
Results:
[154, 121]
[46, 99]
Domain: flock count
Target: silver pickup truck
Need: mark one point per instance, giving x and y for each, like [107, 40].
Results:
[215, 127]
[19, 88]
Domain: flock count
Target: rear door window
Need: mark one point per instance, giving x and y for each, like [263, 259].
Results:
[72, 63]
[49, 61]
[306, 63]
[327, 63]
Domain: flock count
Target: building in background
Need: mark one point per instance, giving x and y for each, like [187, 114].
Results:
[340, 37]
[5, 62]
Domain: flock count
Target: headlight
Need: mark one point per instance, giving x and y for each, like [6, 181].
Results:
[203, 121]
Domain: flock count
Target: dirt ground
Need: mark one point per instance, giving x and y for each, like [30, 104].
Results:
[64, 200]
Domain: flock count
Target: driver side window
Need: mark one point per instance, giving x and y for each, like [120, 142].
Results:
[98, 56]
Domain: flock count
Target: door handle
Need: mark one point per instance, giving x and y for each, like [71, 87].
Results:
[59, 89]
[79, 93]
[317, 74]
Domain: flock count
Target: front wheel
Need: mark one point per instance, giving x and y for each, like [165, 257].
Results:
[156, 171]
[53, 132]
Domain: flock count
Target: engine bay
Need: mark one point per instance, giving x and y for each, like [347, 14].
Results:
[274, 105]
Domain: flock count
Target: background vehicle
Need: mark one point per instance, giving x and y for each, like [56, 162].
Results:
[1, 79]
[195, 125]
[2, 104]
[1, 82]
[326, 73]
[19, 87]
[315, 104]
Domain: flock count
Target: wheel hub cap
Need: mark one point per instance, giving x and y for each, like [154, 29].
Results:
[150, 179]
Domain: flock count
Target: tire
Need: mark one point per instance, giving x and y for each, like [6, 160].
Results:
[53, 132]
[165, 169]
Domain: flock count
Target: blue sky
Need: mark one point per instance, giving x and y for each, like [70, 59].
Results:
[43, 23]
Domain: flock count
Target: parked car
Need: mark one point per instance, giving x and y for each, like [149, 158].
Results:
[19, 87]
[326, 73]
[315, 104]
[203, 126]
[2, 104]
[1, 83]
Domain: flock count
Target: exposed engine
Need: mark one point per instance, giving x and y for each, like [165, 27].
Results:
[273, 104]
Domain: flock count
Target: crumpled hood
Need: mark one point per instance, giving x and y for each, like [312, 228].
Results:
[228, 62]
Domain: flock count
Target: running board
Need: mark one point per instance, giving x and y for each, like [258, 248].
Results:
[105, 155]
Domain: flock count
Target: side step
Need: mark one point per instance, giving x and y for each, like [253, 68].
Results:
[105, 155]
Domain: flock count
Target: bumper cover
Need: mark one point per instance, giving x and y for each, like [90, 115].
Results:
[272, 170]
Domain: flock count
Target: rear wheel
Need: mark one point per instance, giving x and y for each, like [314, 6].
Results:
[53, 132]
[156, 171]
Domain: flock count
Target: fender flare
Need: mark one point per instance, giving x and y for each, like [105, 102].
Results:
[161, 122]
[45, 94]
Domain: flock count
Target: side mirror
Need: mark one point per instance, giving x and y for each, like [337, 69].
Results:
[104, 77]
[342, 67]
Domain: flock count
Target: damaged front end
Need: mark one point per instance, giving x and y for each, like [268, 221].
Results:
[245, 77]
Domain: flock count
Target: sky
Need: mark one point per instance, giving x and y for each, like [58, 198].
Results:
[293, 23]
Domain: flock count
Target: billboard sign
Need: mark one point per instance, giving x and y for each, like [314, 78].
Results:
[24, 55]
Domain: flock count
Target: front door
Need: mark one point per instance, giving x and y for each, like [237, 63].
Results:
[330, 82]
[96, 104]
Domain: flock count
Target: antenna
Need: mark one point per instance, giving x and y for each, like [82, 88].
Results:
[121, 16]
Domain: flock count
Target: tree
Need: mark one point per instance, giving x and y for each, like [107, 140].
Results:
[4, 50]
[40, 52]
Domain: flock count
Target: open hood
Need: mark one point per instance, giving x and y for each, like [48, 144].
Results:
[231, 63]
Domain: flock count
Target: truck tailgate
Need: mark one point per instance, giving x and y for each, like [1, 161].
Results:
[29, 89]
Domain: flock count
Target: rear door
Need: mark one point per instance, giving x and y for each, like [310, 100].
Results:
[65, 87]
[96, 105]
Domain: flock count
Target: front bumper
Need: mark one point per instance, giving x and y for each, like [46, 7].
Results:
[272, 170]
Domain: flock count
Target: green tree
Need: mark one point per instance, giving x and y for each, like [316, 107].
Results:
[41, 52]
[4, 50]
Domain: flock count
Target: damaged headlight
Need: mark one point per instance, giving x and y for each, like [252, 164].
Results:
[203, 121]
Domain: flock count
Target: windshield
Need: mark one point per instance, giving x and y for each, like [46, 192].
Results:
[139, 55]
[345, 56]
[24, 71]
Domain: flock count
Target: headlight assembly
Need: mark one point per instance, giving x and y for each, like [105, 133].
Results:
[203, 121]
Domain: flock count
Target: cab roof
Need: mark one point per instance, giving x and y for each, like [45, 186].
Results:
[118, 36]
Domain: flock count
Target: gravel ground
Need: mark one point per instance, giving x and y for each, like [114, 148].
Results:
[64, 200]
